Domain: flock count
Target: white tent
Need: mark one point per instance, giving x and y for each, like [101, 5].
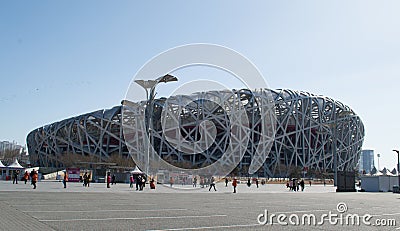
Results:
[386, 172]
[15, 165]
[2, 165]
[136, 171]
[378, 183]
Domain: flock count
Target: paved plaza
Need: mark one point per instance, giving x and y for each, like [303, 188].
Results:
[51, 207]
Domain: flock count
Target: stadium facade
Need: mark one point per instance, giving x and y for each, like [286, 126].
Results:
[312, 133]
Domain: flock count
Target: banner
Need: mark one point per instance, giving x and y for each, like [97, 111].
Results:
[73, 174]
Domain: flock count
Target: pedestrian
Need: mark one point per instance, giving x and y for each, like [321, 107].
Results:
[202, 182]
[108, 179]
[34, 178]
[85, 177]
[257, 182]
[131, 181]
[212, 184]
[294, 184]
[309, 182]
[234, 184]
[113, 180]
[171, 181]
[15, 176]
[152, 184]
[195, 182]
[142, 183]
[302, 185]
[65, 180]
[226, 181]
[248, 182]
[138, 181]
[26, 176]
[88, 180]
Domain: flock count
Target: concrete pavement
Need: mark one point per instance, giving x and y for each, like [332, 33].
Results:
[51, 207]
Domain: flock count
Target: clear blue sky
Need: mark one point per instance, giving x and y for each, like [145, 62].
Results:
[63, 58]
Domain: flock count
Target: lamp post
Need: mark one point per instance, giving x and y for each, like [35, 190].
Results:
[378, 155]
[398, 164]
[150, 85]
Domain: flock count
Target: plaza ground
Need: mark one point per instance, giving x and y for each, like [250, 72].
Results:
[51, 207]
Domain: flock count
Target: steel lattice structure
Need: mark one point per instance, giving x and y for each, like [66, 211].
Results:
[308, 129]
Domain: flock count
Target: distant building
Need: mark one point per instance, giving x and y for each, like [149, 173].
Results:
[366, 163]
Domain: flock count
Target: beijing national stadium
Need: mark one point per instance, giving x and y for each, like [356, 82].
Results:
[311, 132]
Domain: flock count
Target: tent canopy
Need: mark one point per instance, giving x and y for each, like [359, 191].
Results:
[2, 165]
[15, 165]
[387, 172]
[136, 171]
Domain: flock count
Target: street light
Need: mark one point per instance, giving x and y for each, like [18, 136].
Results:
[398, 164]
[378, 155]
[151, 85]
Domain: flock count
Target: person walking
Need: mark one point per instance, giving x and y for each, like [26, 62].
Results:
[15, 177]
[212, 184]
[88, 180]
[195, 182]
[34, 178]
[226, 181]
[152, 184]
[234, 184]
[131, 181]
[108, 179]
[26, 176]
[65, 180]
[138, 181]
[113, 180]
[142, 183]
[85, 177]
[302, 185]
[257, 182]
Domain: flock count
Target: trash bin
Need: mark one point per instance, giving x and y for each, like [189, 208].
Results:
[396, 189]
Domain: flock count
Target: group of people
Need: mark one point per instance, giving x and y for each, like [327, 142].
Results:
[140, 182]
[33, 175]
[209, 183]
[295, 185]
